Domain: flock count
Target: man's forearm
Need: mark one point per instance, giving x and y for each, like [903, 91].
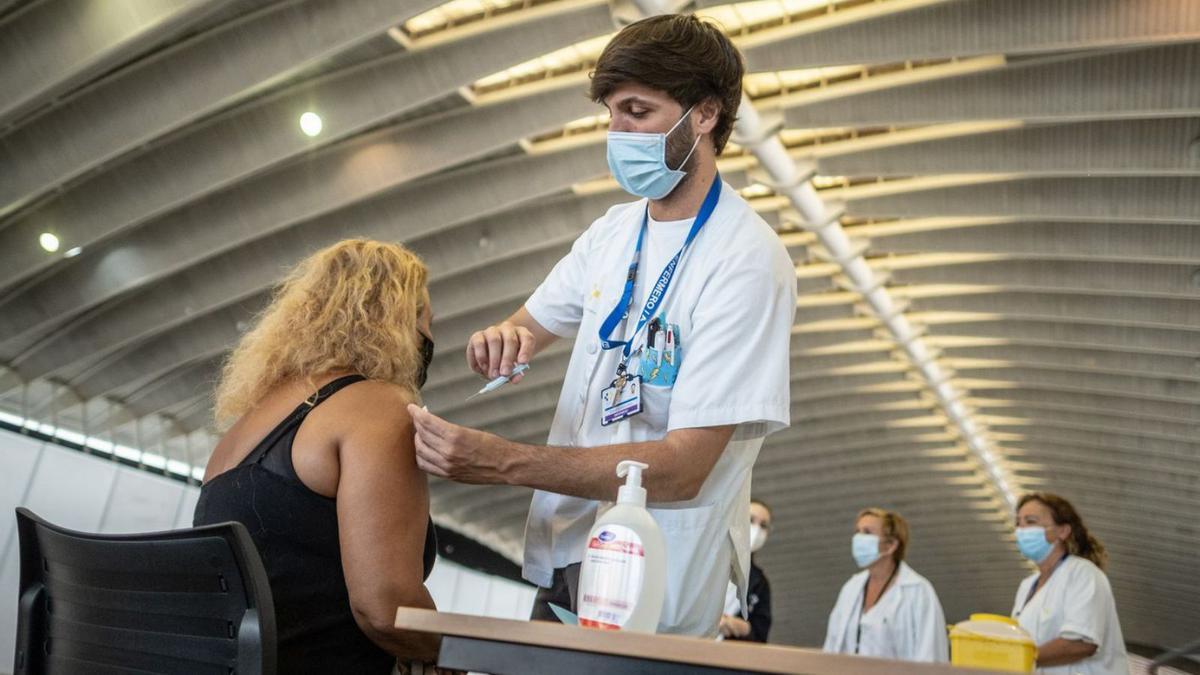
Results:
[679, 464]
[590, 473]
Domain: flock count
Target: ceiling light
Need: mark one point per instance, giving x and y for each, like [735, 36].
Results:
[72, 252]
[49, 242]
[310, 123]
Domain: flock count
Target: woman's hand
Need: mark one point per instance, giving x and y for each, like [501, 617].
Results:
[734, 627]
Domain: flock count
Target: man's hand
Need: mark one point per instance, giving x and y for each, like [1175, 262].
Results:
[494, 351]
[458, 453]
[734, 627]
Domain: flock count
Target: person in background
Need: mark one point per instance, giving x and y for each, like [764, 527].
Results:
[319, 464]
[755, 625]
[1067, 605]
[887, 610]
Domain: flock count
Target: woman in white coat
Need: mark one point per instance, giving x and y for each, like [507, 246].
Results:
[1067, 606]
[887, 610]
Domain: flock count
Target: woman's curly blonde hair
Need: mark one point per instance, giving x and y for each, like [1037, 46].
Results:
[353, 306]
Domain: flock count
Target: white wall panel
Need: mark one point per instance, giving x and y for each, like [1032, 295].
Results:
[71, 489]
[464, 591]
[142, 502]
[9, 574]
[441, 582]
[470, 593]
[504, 600]
[187, 506]
[18, 454]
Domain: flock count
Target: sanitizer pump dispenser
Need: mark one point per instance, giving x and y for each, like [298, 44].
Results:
[623, 578]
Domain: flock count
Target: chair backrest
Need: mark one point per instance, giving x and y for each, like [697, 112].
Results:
[185, 601]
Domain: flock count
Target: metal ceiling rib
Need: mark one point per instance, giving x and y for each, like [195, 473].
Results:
[1030, 192]
[895, 31]
[47, 49]
[216, 155]
[191, 80]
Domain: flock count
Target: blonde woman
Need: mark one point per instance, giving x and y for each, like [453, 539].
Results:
[318, 462]
[887, 610]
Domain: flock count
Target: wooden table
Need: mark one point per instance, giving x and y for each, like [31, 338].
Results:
[507, 647]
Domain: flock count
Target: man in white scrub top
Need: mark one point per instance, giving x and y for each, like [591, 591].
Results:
[680, 362]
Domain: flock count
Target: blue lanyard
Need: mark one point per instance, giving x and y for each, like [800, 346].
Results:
[659, 291]
[1035, 581]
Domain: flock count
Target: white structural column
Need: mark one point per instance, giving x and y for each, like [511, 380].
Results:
[794, 181]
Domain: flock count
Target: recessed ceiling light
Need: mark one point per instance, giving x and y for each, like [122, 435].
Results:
[49, 242]
[310, 123]
[72, 252]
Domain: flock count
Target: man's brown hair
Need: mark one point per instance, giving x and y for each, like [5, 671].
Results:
[689, 59]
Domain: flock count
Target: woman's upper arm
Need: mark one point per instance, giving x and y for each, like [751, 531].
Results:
[382, 502]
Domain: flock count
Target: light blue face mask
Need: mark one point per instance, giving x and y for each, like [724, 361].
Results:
[1031, 542]
[639, 161]
[865, 549]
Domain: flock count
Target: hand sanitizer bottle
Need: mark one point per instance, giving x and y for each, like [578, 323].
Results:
[623, 578]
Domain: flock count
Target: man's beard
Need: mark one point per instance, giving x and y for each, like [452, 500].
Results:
[679, 146]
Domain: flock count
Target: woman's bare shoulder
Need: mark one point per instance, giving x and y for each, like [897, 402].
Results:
[379, 390]
[371, 403]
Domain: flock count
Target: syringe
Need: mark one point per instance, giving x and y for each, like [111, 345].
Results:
[500, 381]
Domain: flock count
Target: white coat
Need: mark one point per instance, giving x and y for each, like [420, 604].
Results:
[730, 311]
[906, 623]
[1077, 604]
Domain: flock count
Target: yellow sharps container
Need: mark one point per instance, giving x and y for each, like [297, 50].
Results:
[994, 642]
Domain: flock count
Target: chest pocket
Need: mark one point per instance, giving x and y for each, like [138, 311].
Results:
[658, 365]
[656, 403]
[662, 355]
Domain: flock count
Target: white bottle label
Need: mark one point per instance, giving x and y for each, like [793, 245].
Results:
[617, 569]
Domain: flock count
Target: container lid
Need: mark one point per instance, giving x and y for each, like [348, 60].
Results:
[995, 617]
[992, 627]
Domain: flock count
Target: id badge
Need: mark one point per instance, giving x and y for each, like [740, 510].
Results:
[623, 403]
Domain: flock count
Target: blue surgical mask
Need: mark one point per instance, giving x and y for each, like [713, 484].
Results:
[639, 162]
[865, 548]
[1031, 541]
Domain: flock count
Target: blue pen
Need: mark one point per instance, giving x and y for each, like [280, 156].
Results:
[500, 381]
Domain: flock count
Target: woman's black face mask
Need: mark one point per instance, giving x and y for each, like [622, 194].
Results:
[426, 359]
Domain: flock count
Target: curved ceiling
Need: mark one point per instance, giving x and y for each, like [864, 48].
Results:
[1022, 175]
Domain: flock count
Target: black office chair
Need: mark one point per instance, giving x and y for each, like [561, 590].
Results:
[186, 601]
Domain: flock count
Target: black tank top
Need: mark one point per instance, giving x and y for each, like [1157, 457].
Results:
[296, 532]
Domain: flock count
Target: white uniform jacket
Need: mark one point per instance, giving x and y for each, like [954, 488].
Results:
[906, 624]
[1077, 604]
